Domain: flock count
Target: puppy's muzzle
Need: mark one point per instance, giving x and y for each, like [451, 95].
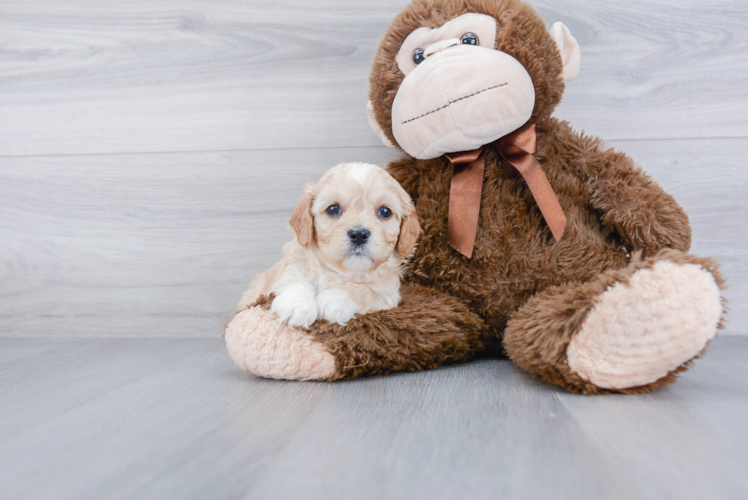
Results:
[359, 237]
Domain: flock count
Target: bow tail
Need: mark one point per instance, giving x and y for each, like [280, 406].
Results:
[464, 199]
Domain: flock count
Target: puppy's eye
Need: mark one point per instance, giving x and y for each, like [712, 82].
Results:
[418, 56]
[334, 210]
[469, 39]
[384, 212]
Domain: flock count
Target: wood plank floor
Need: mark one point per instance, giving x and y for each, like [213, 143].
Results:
[174, 418]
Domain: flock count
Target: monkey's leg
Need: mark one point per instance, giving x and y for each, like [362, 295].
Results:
[629, 330]
[426, 330]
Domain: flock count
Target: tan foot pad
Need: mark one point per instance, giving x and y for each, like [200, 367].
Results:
[643, 329]
[260, 344]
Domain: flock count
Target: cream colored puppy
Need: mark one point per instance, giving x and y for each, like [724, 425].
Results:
[354, 228]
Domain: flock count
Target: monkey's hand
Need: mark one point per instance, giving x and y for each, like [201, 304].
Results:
[635, 207]
[629, 201]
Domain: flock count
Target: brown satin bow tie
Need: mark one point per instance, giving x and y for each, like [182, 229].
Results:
[467, 183]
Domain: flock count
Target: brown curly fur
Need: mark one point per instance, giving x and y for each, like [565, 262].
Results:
[521, 293]
[515, 254]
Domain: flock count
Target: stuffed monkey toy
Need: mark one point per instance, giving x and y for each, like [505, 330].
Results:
[539, 243]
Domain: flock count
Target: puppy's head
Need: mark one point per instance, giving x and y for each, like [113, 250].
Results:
[356, 217]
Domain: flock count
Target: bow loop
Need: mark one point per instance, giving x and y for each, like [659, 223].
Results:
[465, 156]
[517, 148]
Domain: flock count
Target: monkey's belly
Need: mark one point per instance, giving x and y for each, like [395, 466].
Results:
[504, 273]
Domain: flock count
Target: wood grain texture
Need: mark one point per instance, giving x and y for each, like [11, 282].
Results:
[164, 245]
[151, 151]
[53, 376]
[145, 245]
[194, 426]
[162, 75]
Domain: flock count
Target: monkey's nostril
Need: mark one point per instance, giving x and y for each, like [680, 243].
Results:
[358, 236]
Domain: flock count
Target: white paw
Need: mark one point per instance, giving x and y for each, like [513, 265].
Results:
[336, 306]
[294, 308]
[642, 330]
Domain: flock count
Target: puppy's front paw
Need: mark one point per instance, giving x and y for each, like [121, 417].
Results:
[294, 308]
[336, 306]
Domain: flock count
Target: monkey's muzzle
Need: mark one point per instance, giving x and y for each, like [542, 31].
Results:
[460, 99]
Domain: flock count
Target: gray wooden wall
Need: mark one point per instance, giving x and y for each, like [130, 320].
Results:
[151, 151]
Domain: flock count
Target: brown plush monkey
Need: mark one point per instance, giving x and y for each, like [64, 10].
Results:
[538, 242]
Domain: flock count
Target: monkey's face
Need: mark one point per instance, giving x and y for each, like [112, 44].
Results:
[465, 82]
[458, 93]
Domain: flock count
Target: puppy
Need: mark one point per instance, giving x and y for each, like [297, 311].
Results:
[354, 229]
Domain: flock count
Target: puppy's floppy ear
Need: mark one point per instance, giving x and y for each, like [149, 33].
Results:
[302, 221]
[410, 229]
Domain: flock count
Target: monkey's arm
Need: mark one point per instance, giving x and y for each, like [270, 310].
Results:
[629, 201]
[427, 329]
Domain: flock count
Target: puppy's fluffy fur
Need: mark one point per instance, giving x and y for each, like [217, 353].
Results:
[327, 272]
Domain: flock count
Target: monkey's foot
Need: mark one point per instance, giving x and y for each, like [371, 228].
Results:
[643, 329]
[260, 344]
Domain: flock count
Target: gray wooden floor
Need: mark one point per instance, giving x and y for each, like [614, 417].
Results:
[174, 418]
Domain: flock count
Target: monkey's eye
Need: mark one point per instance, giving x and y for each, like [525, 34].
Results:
[469, 39]
[418, 56]
[384, 212]
[333, 210]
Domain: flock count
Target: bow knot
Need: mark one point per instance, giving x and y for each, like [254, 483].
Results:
[467, 183]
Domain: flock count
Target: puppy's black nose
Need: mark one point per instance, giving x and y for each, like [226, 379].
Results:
[358, 236]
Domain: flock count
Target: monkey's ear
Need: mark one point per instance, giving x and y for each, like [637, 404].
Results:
[569, 49]
[375, 126]
[302, 221]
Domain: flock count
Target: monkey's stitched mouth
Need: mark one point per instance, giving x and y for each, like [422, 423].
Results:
[456, 100]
